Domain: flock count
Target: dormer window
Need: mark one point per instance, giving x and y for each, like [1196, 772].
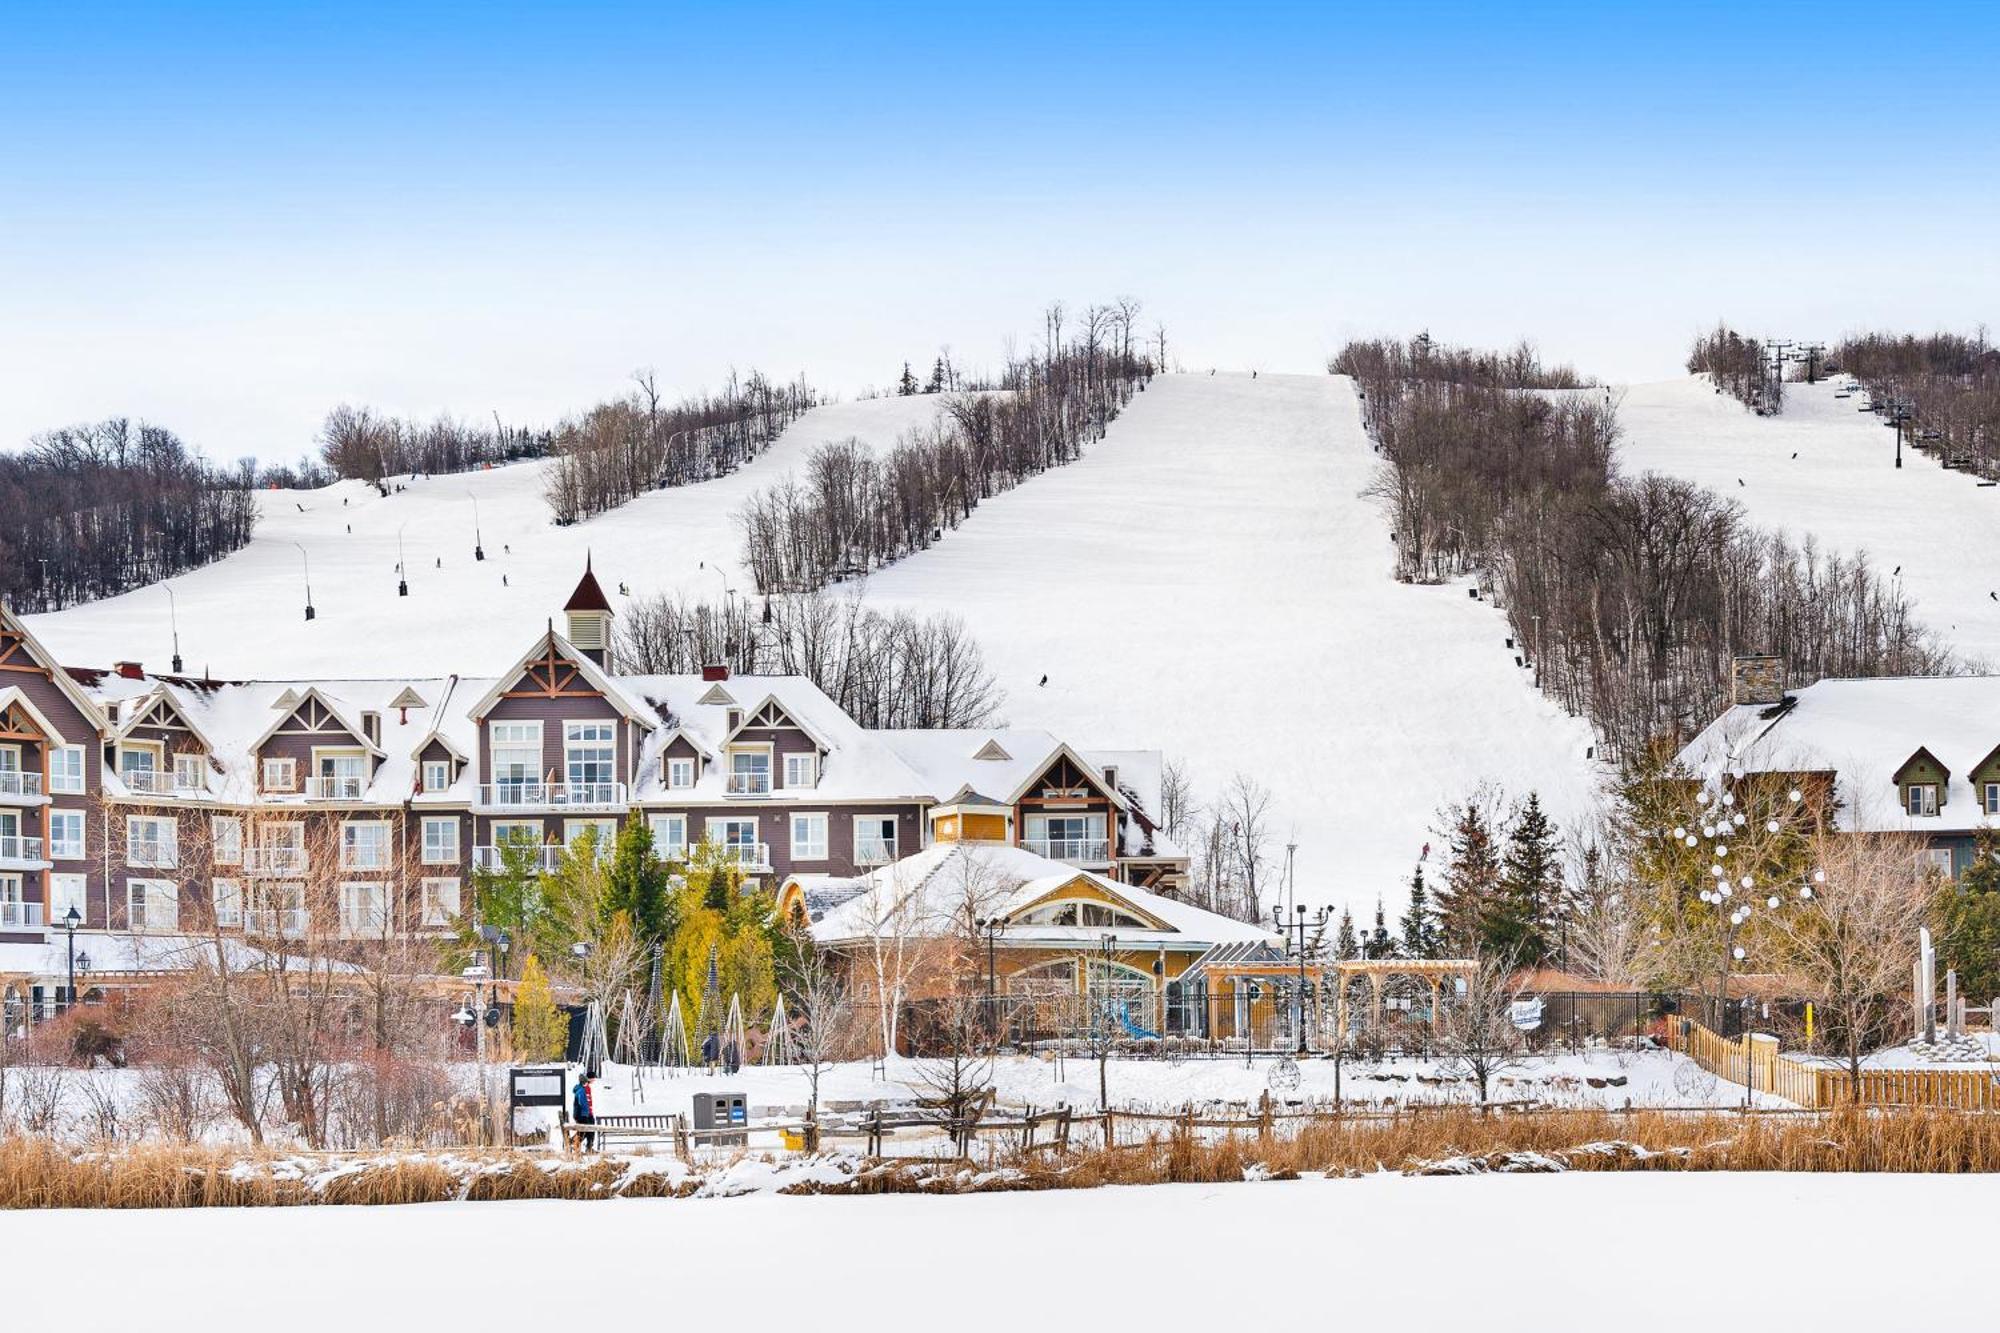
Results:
[680, 773]
[1921, 799]
[280, 775]
[1990, 798]
[190, 770]
[437, 774]
[749, 772]
[802, 770]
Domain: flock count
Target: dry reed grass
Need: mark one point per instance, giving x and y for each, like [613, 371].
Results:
[39, 1173]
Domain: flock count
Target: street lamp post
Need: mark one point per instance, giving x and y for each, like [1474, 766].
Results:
[71, 920]
[306, 560]
[1295, 933]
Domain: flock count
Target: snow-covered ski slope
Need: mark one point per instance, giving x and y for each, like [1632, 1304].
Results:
[245, 615]
[1826, 469]
[1208, 580]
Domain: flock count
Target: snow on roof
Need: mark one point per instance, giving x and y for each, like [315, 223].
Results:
[1864, 731]
[925, 893]
[122, 954]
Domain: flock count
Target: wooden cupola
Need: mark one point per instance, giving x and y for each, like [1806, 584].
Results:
[588, 613]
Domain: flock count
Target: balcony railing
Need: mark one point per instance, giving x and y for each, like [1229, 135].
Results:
[749, 784]
[1076, 851]
[526, 795]
[335, 789]
[749, 855]
[542, 857]
[274, 860]
[17, 784]
[20, 916]
[874, 851]
[286, 922]
[156, 782]
[20, 849]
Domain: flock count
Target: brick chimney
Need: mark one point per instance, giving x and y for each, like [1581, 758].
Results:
[130, 670]
[715, 671]
[1757, 680]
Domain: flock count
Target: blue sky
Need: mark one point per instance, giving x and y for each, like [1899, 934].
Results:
[228, 218]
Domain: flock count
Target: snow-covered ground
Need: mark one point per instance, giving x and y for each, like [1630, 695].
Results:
[1497, 1252]
[244, 616]
[1824, 468]
[1591, 1079]
[1208, 580]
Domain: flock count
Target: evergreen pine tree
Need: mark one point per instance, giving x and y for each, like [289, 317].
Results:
[1471, 882]
[1526, 916]
[637, 883]
[907, 385]
[1969, 920]
[936, 384]
[1420, 929]
[721, 889]
[1379, 944]
[540, 1030]
[1344, 944]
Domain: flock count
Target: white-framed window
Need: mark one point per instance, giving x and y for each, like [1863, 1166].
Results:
[152, 904]
[590, 757]
[227, 895]
[1921, 798]
[65, 835]
[16, 911]
[364, 844]
[441, 840]
[437, 774]
[1938, 860]
[280, 774]
[440, 901]
[1992, 798]
[737, 838]
[605, 830]
[680, 773]
[281, 848]
[141, 757]
[516, 833]
[151, 840]
[802, 770]
[874, 839]
[225, 833]
[65, 892]
[190, 772]
[278, 908]
[66, 769]
[809, 837]
[338, 775]
[750, 772]
[517, 760]
[670, 835]
[364, 908]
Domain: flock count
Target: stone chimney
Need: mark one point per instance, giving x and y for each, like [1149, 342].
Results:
[1757, 680]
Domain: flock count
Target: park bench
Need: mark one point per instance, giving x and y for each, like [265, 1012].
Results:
[656, 1127]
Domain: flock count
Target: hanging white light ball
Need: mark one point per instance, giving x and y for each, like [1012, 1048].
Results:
[1693, 841]
[1739, 953]
[1771, 826]
[1819, 877]
[1680, 831]
[1741, 819]
[1729, 798]
[1772, 901]
[1746, 881]
[1797, 795]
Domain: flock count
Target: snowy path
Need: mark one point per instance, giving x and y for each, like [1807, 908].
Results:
[1496, 1253]
[1207, 580]
[1842, 487]
[244, 615]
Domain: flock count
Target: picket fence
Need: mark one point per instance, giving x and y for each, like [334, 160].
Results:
[1754, 1060]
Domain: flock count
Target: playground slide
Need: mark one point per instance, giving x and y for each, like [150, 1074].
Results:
[1133, 1029]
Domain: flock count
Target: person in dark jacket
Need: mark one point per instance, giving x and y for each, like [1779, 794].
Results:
[583, 1111]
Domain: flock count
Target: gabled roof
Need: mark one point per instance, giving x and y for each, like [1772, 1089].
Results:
[64, 681]
[588, 595]
[716, 696]
[1922, 755]
[749, 715]
[14, 697]
[1088, 769]
[137, 710]
[549, 640]
[409, 698]
[313, 693]
[992, 750]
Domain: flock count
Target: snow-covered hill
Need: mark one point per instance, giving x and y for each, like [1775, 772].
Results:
[1208, 580]
[1827, 469]
[245, 615]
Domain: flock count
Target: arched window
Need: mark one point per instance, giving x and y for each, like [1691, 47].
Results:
[1081, 912]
